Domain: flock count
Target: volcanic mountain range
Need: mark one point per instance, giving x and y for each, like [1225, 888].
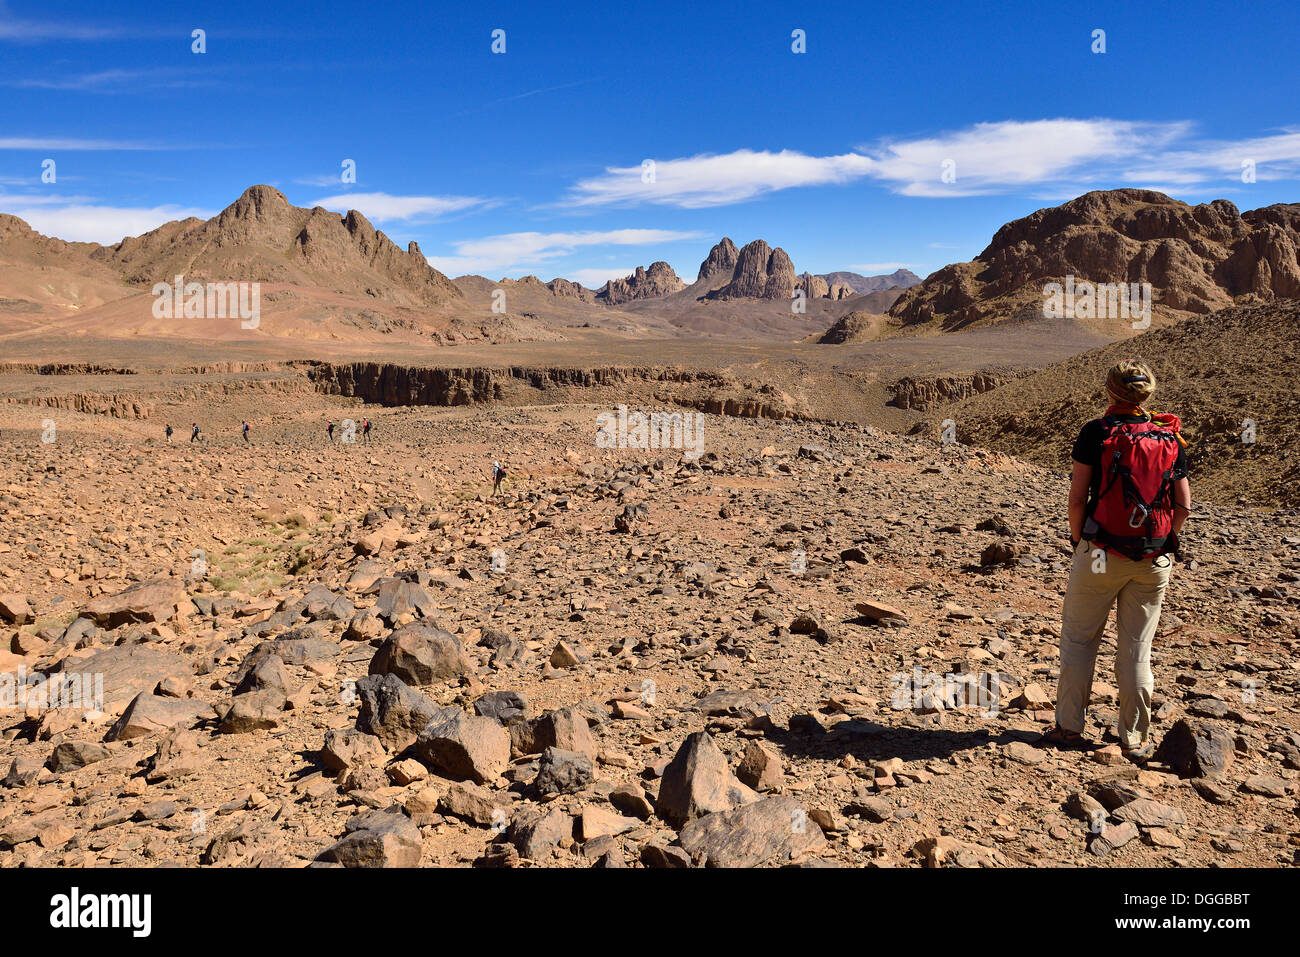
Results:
[327, 276]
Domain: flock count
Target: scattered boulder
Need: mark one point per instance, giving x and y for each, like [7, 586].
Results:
[506, 707]
[761, 767]
[391, 711]
[465, 747]
[347, 747]
[771, 831]
[698, 781]
[474, 804]
[1196, 750]
[563, 772]
[254, 711]
[149, 714]
[378, 839]
[150, 601]
[536, 831]
[563, 728]
[420, 653]
[14, 609]
[72, 755]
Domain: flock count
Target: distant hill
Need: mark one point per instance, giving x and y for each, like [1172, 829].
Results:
[1196, 259]
[261, 237]
[860, 284]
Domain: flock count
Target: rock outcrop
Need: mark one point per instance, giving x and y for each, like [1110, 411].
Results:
[720, 263]
[760, 273]
[854, 326]
[1196, 258]
[653, 283]
[924, 392]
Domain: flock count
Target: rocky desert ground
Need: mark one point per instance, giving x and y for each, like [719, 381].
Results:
[814, 623]
[818, 643]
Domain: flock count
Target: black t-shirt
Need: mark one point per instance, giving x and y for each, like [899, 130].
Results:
[1087, 451]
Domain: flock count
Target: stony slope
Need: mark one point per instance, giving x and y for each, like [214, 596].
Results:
[702, 678]
[41, 276]
[1215, 371]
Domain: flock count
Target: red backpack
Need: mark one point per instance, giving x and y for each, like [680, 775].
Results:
[1133, 513]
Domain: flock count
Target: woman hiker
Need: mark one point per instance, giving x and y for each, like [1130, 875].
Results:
[1129, 497]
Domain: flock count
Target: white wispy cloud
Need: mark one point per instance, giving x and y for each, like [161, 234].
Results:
[73, 144]
[715, 179]
[87, 222]
[1049, 156]
[322, 181]
[518, 252]
[113, 81]
[994, 157]
[383, 207]
[14, 200]
[12, 29]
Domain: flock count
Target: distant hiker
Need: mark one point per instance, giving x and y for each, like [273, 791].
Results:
[1129, 497]
[194, 435]
[170, 430]
[365, 431]
[329, 430]
[244, 432]
[498, 476]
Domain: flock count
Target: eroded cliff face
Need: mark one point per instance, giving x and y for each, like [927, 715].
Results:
[924, 392]
[391, 384]
[90, 403]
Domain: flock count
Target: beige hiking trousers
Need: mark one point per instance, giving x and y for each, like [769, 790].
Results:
[1100, 580]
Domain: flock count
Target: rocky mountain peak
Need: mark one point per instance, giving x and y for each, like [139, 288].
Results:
[721, 260]
[657, 281]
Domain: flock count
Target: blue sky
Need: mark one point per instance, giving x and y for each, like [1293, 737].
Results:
[531, 160]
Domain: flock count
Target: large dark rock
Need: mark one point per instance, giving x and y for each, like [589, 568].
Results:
[698, 781]
[391, 711]
[465, 746]
[378, 839]
[768, 832]
[563, 772]
[1196, 750]
[507, 707]
[420, 653]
